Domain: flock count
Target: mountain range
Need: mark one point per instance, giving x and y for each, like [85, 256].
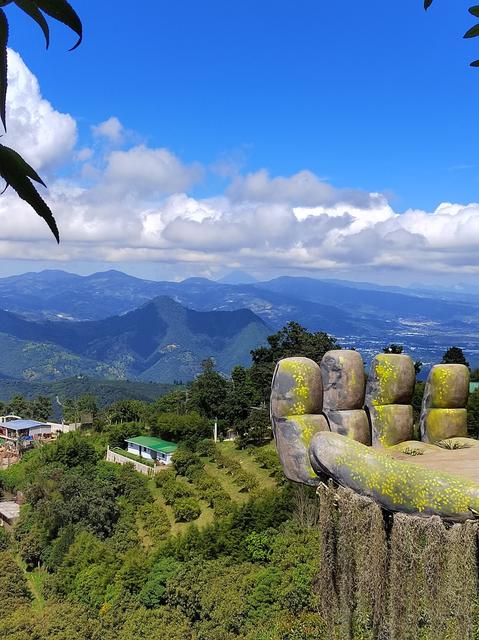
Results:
[111, 324]
[161, 341]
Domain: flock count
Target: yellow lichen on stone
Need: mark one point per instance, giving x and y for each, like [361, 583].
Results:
[441, 379]
[386, 375]
[406, 486]
[301, 391]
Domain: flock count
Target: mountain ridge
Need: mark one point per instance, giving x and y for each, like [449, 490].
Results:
[365, 316]
[160, 341]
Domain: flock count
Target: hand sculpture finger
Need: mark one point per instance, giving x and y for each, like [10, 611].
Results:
[344, 382]
[296, 404]
[388, 399]
[444, 414]
[436, 480]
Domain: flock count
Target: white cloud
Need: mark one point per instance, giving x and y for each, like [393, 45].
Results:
[111, 129]
[149, 171]
[136, 208]
[42, 135]
[302, 189]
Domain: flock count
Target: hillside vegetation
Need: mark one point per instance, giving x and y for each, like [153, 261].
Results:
[103, 552]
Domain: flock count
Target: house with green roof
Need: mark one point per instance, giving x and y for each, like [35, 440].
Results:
[152, 448]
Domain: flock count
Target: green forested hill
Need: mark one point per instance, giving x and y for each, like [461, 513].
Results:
[105, 391]
[162, 341]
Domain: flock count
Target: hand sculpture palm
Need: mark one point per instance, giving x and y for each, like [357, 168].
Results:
[328, 422]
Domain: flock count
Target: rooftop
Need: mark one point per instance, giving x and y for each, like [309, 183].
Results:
[9, 510]
[23, 424]
[155, 444]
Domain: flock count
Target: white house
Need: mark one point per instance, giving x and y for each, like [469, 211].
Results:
[152, 448]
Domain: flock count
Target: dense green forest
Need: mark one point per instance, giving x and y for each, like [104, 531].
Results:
[102, 552]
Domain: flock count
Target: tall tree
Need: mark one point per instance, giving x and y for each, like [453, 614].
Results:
[19, 406]
[454, 355]
[208, 391]
[41, 408]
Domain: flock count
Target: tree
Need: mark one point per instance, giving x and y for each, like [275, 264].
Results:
[13, 169]
[208, 391]
[41, 408]
[454, 355]
[241, 395]
[291, 340]
[186, 509]
[393, 348]
[190, 427]
[19, 406]
[82, 409]
[128, 411]
[173, 402]
[256, 429]
[473, 414]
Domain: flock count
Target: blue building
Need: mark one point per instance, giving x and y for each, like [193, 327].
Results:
[20, 431]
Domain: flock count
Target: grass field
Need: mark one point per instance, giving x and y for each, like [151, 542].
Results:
[248, 463]
[35, 580]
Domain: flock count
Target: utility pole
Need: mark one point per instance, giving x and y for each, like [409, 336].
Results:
[216, 430]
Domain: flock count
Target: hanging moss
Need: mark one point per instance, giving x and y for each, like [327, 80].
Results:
[326, 584]
[398, 577]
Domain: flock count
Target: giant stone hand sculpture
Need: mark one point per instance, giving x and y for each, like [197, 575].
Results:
[328, 422]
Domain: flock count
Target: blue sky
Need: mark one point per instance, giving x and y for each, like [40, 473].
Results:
[372, 96]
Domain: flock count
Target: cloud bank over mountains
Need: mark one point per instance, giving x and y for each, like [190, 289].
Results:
[116, 200]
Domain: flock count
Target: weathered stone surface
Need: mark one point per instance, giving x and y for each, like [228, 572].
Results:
[447, 387]
[391, 380]
[395, 484]
[293, 437]
[353, 424]
[297, 388]
[343, 376]
[443, 412]
[391, 424]
[441, 424]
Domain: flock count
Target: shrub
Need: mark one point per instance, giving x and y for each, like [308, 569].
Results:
[175, 489]
[206, 448]
[245, 480]
[186, 509]
[223, 506]
[163, 477]
[155, 521]
[183, 459]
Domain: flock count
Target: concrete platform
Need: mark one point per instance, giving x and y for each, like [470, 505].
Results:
[460, 462]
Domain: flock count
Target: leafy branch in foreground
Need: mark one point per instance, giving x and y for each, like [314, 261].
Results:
[13, 168]
[473, 32]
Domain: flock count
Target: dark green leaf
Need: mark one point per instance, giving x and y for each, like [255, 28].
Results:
[475, 63]
[473, 32]
[17, 173]
[427, 4]
[474, 11]
[62, 11]
[32, 10]
[3, 66]
[18, 164]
